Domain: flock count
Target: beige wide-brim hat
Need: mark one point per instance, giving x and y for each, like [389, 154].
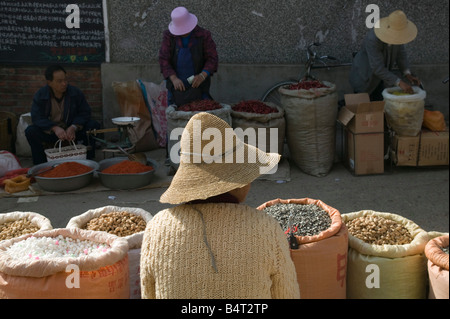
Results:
[213, 161]
[396, 29]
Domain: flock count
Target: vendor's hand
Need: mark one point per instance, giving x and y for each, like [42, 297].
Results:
[59, 132]
[198, 80]
[413, 79]
[406, 87]
[71, 133]
[178, 84]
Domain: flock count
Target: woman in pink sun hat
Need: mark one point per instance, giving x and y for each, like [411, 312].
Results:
[188, 58]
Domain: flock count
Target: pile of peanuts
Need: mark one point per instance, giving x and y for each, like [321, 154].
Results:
[17, 228]
[378, 230]
[121, 224]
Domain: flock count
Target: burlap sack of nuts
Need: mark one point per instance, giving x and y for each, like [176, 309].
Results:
[16, 224]
[392, 266]
[113, 219]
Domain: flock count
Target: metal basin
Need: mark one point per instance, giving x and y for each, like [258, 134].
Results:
[64, 184]
[124, 181]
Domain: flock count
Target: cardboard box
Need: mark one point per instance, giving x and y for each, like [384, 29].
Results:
[405, 150]
[364, 153]
[360, 115]
[426, 149]
[433, 149]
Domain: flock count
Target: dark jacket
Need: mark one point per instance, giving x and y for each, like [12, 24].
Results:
[204, 55]
[374, 63]
[76, 109]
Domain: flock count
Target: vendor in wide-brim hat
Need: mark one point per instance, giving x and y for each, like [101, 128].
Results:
[188, 58]
[382, 50]
[211, 245]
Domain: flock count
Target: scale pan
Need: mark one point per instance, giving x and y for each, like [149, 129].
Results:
[125, 120]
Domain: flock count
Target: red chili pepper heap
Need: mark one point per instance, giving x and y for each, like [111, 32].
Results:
[254, 106]
[307, 85]
[200, 105]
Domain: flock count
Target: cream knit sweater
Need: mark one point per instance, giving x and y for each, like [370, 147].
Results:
[250, 250]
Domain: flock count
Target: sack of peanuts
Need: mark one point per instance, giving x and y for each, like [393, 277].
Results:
[64, 264]
[16, 224]
[126, 222]
[321, 256]
[436, 252]
[386, 256]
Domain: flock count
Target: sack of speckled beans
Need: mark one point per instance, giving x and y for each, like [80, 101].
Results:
[386, 257]
[318, 244]
[125, 222]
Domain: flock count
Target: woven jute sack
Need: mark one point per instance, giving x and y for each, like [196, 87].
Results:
[134, 240]
[320, 260]
[311, 127]
[264, 124]
[97, 277]
[387, 271]
[438, 267]
[38, 220]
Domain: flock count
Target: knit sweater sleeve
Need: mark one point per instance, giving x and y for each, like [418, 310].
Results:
[147, 277]
[284, 280]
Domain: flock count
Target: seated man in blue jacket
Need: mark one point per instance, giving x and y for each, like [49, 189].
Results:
[59, 112]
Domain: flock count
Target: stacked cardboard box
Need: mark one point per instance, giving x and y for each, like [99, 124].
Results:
[364, 134]
[428, 148]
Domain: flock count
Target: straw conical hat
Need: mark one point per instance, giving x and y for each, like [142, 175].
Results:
[213, 161]
[396, 29]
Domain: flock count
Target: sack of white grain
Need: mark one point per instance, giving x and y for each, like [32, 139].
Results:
[386, 256]
[16, 224]
[64, 264]
[404, 112]
[438, 267]
[311, 127]
[321, 259]
[126, 222]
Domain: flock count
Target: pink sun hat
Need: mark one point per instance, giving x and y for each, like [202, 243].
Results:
[182, 22]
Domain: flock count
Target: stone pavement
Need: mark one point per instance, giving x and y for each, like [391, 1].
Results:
[419, 194]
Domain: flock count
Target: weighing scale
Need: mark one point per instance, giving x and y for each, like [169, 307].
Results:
[124, 125]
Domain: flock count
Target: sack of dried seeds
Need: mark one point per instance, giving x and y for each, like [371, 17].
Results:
[16, 224]
[126, 222]
[321, 257]
[386, 252]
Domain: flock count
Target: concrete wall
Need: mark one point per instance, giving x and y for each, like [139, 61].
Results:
[263, 42]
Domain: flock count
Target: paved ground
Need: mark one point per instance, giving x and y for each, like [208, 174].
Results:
[420, 194]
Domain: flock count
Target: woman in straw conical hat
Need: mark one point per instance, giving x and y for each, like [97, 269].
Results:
[382, 50]
[211, 245]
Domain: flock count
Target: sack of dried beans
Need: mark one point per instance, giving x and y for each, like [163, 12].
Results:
[178, 117]
[311, 127]
[436, 252]
[386, 256]
[262, 118]
[126, 222]
[64, 264]
[321, 256]
[16, 224]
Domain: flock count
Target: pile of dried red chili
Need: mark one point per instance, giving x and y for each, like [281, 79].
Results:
[254, 106]
[200, 105]
[127, 167]
[67, 169]
[307, 85]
